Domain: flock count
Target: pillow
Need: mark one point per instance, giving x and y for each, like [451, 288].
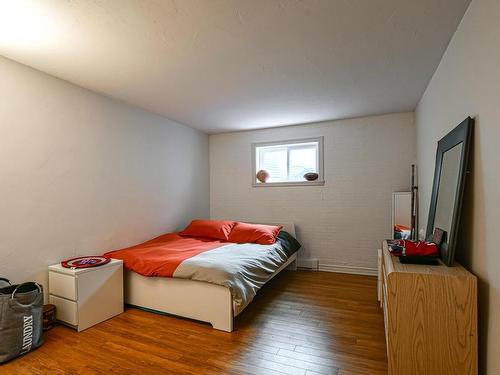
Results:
[216, 229]
[254, 233]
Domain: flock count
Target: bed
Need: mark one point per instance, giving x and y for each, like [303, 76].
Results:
[213, 286]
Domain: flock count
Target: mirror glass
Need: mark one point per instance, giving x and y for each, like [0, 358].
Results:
[401, 215]
[447, 191]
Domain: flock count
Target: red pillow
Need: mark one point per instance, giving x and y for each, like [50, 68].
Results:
[216, 229]
[254, 233]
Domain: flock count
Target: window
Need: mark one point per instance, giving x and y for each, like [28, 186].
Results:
[287, 162]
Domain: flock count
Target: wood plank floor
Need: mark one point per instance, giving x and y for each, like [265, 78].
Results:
[303, 323]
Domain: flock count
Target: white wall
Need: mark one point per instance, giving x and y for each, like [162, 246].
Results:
[81, 173]
[341, 223]
[467, 83]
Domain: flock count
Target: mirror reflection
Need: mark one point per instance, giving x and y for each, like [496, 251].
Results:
[450, 170]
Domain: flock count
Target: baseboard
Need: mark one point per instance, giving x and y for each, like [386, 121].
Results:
[348, 269]
[308, 263]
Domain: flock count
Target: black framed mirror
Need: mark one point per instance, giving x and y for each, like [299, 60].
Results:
[448, 189]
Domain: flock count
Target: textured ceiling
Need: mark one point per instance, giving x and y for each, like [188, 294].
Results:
[224, 65]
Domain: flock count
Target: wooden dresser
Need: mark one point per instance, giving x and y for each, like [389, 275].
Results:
[430, 316]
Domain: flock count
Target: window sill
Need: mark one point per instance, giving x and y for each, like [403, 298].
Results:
[289, 184]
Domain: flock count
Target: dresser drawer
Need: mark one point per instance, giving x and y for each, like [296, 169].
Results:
[66, 311]
[386, 319]
[62, 285]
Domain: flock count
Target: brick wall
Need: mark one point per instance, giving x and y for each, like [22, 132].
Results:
[340, 223]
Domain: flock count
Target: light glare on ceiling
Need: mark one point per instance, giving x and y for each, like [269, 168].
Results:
[26, 25]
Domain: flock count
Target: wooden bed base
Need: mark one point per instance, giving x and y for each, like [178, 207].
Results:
[188, 298]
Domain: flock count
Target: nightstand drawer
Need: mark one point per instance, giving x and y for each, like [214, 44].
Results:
[63, 285]
[66, 311]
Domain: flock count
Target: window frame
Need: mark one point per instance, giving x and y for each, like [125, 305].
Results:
[289, 142]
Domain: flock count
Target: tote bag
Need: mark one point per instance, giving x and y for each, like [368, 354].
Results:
[21, 319]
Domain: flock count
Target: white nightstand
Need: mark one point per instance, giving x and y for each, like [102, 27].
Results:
[86, 296]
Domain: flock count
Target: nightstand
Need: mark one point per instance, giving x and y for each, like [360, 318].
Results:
[86, 296]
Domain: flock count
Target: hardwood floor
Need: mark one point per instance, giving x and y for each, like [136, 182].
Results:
[303, 323]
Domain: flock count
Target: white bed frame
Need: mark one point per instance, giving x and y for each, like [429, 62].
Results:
[187, 298]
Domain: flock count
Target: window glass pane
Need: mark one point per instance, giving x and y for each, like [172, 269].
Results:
[273, 160]
[302, 161]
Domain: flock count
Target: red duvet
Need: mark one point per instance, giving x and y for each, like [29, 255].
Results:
[162, 255]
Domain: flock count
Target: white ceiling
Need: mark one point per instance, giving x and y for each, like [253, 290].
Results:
[224, 65]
